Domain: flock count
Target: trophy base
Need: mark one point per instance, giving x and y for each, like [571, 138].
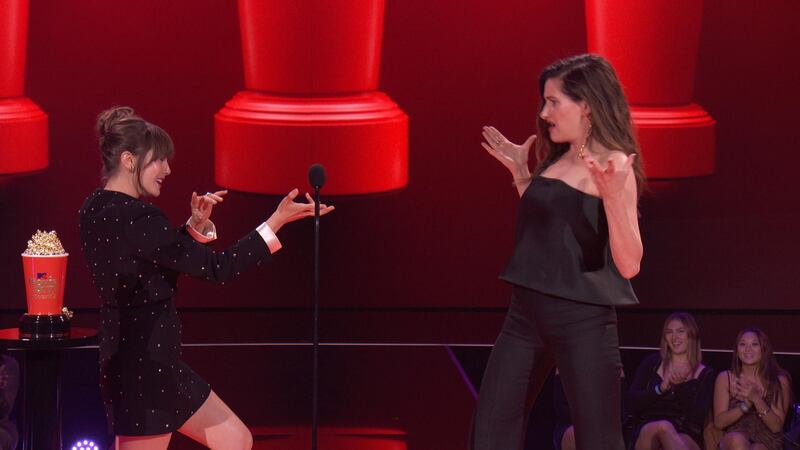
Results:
[44, 326]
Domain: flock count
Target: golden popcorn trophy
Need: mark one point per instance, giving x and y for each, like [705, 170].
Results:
[44, 265]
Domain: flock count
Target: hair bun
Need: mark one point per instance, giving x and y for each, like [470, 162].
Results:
[107, 119]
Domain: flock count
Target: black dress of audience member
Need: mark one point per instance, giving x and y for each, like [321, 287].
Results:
[671, 394]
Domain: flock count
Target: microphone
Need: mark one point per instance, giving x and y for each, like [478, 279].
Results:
[316, 175]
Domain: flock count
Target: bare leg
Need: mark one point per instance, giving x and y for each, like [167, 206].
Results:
[661, 434]
[157, 442]
[734, 441]
[568, 440]
[217, 427]
[712, 436]
[689, 442]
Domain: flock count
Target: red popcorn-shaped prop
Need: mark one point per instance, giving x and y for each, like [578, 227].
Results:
[23, 125]
[311, 78]
[44, 283]
[44, 267]
[653, 46]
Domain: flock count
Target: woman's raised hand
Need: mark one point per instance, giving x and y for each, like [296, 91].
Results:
[514, 157]
[678, 376]
[744, 389]
[671, 378]
[201, 206]
[753, 386]
[289, 210]
[610, 181]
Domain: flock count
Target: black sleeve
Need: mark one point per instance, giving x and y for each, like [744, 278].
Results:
[153, 238]
[641, 395]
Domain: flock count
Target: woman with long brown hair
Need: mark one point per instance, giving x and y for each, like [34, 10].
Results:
[671, 394]
[577, 245]
[751, 399]
[135, 256]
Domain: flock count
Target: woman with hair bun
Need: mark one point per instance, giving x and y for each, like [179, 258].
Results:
[577, 245]
[135, 256]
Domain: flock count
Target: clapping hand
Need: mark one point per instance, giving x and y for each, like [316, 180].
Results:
[610, 181]
[513, 156]
[750, 388]
[678, 376]
[673, 377]
[202, 205]
[743, 389]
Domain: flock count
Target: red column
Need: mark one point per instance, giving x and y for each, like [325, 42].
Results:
[653, 46]
[23, 125]
[311, 78]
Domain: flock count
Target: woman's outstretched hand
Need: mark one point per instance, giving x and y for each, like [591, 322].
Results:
[202, 205]
[289, 210]
[610, 181]
[513, 156]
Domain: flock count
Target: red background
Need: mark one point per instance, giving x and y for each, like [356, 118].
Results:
[728, 241]
[419, 265]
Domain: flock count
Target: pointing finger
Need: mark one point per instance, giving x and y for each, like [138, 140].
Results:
[215, 197]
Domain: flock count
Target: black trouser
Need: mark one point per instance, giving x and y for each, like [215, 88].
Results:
[541, 330]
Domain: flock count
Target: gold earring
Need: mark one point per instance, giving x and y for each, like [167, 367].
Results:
[582, 150]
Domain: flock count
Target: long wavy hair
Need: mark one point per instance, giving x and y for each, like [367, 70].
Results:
[590, 78]
[768, 368]
[693, 333]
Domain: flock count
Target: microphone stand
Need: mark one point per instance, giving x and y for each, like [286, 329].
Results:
[315, 390]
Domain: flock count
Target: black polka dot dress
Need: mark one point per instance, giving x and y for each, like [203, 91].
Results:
[135, 257]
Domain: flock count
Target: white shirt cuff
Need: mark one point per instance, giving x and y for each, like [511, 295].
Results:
[269, 237]
[203, 238]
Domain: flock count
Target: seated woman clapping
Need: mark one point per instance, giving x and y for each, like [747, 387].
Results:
[671, 394]
[751, 399]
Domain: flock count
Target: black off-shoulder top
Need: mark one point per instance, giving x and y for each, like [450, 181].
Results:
[562, 246]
